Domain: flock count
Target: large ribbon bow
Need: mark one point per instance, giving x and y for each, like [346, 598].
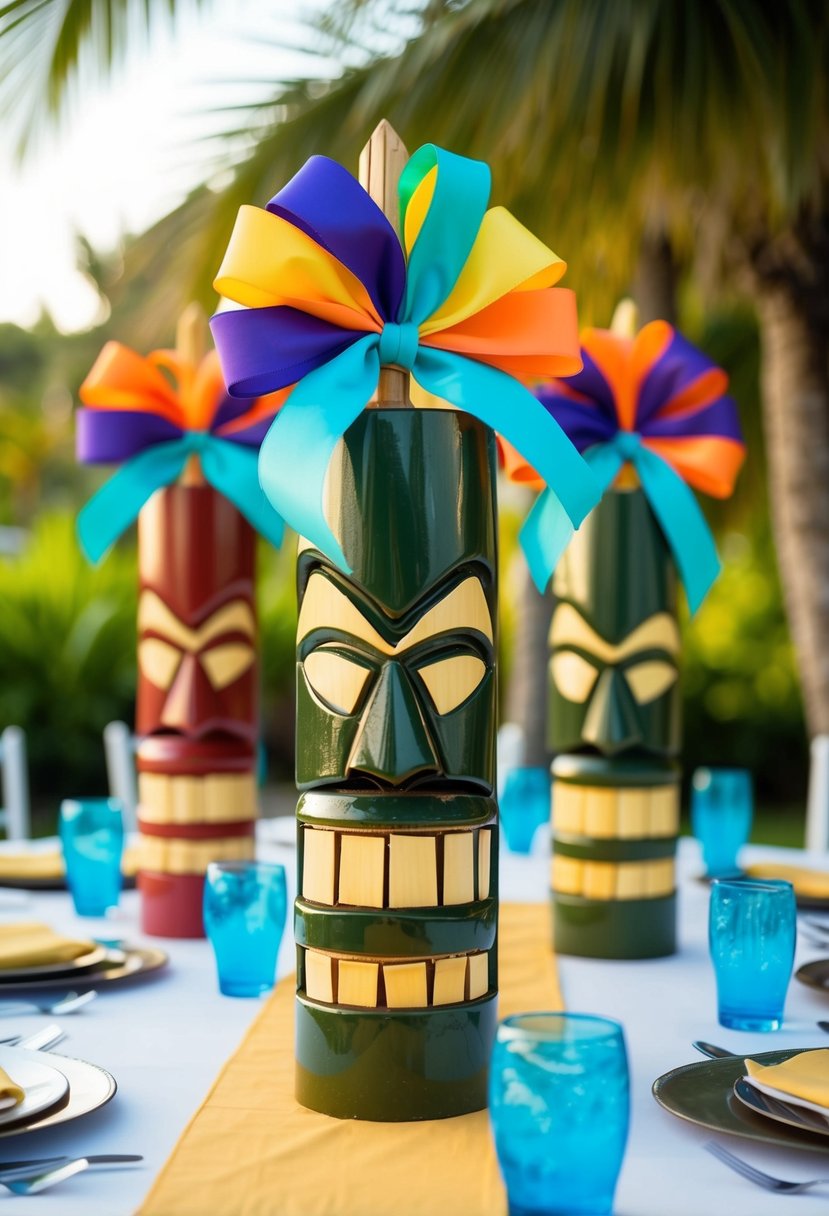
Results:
[656, 402]
[466, 304]
[151, 423]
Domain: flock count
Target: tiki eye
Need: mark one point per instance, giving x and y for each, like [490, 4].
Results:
[159, 661]
[650, 679]
[337, 679]
[224, 664]
[450, 681]
[572, 675]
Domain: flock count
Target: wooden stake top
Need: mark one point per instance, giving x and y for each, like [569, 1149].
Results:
[381, 162]
[192, 344]
[625, 319]
[193, 334]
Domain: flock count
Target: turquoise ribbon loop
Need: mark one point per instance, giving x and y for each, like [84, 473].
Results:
[398, 344]
[545, 533]
[229, 467]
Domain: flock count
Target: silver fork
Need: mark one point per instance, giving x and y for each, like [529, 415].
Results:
[42, 1040]
[70, 1002]
[767, 1181]
[32, 1184]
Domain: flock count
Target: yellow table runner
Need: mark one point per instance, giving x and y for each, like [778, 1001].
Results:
[251, 1150]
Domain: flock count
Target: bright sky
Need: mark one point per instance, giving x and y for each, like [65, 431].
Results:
[130, 151]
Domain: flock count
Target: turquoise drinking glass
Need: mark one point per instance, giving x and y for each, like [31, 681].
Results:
[559, 1102]
[245, 903]
[524, 806]
[92, 838]
[752, 932]
[722, 807]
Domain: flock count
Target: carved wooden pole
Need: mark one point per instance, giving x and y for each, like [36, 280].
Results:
[197, 703]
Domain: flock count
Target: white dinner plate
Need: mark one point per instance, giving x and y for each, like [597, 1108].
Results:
[43, 1086]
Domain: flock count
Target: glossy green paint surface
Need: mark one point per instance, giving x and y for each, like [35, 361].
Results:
[614, 928]
[394, 1066]
[414, 510]
[382, 810]
[390, 933]
[588, 848]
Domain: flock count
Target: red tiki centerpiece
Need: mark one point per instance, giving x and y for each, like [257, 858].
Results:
[189, 474]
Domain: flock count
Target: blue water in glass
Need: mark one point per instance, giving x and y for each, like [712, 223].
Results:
[244, 916]
[92, 837]
[560, 1106]
[722, 807]
[524, 806]
[752, 931]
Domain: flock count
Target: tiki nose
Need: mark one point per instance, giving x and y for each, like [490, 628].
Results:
[612, 723]
[190, 699]
[393, 743]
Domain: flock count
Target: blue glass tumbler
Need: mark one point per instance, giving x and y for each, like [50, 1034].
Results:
[92, 838]
[244, 916]
[524, 806]
[752, 932]
[722, 807]
[559, 1102]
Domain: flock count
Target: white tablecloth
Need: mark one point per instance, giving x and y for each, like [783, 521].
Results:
[165, 1040]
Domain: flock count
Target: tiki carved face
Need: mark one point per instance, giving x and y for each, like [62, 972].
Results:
[196, 618]
[614, 639]
[396, 662]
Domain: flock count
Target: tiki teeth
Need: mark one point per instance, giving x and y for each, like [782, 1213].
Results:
[166, 855]
[216, 798]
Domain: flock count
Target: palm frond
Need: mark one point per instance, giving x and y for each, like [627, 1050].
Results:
[48, 48]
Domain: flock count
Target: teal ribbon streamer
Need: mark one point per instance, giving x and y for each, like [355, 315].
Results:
[229, 467]
[328, 400]
[545, 533]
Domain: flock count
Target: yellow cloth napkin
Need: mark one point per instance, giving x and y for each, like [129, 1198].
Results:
[804, 1076]
[811, 884]
[252, 1150]
[29, 944]
[42, 865]
[10, 1093]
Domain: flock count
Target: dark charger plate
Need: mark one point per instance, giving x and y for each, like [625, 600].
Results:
[139, 962]
[702, 1093]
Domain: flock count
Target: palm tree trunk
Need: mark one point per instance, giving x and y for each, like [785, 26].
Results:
[791, 281]
[796, 417]
[655, 281]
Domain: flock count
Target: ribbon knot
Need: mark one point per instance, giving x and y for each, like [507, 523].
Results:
[398, 344]
[627, 444]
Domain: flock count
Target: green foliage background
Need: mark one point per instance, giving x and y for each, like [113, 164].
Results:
[67, 631]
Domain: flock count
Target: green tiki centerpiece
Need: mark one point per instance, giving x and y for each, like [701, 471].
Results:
[651, 416]
[188, 453]
[396, 914]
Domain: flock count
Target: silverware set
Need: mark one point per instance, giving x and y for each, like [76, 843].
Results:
[32, 1176]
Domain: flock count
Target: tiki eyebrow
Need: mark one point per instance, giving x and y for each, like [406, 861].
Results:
[464, 606]
[569, 628]
[153, 613]
[324, 603]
